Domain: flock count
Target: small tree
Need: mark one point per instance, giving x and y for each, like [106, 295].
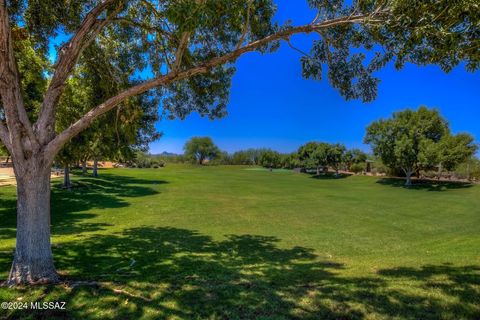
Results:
[455, 149]
[412, 140]
[199, 149]
[335, 156]
[313, 155]
[271, 159]
[354, 156]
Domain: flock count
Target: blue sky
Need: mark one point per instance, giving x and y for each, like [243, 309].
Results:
[271, 105]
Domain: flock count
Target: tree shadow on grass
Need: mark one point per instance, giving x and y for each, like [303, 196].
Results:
[68, 207]
[329, 176]
[430, 185]
[463, 282]
[158, 273]
[106, 191]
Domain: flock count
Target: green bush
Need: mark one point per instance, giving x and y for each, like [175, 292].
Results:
[357, 167]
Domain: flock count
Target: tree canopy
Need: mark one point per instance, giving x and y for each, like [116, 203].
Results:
[322, 155]
[354, 156]
[418, 139]
[190, 47]
[199, 149]
[271, 159]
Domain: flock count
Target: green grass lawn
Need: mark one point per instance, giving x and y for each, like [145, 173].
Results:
[229, 243]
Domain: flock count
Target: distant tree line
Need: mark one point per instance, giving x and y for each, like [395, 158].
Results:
[411, 142]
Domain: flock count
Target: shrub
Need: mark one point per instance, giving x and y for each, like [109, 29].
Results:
[357, 167]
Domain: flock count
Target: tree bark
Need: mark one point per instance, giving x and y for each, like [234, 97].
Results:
[95, 168]
[84, 168]
[66, 177]
[33, 260]
[318, 171]
[408, 181]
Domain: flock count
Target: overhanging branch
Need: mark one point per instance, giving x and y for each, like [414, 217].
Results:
[10, 90]
[68, 57]
[177, 75]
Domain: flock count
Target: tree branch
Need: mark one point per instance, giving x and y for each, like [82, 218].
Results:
[167, 79]
[68, 57]
[245, 28]
[182, 46]
[10, 91]
[140, 25]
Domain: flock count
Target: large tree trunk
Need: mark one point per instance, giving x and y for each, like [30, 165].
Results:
[84, 168]
[408, 181]
[318, 171]
[95, 168]
[33, 261]
[66, 177]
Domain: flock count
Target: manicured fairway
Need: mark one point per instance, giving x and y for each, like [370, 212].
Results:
[229, 243]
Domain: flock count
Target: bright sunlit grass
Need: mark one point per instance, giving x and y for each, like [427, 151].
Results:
[187, 242]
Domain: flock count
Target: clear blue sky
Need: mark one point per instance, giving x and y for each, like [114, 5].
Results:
[271, 105]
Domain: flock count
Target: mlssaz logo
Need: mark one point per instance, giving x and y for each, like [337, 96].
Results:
[48, 305]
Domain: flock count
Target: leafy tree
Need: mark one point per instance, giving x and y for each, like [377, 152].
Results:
[320, 155]
[407, 140]
[199, 149]
[118, 134]
[335, 156]
[291, 161]
[354, 156]
[243, 157]
[191, 47]
[310, 157]
[271, 159]
[455, 149]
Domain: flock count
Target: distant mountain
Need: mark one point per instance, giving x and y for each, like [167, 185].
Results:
[165, 154]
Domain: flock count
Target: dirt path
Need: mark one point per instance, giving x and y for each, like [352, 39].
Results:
[7, 177]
